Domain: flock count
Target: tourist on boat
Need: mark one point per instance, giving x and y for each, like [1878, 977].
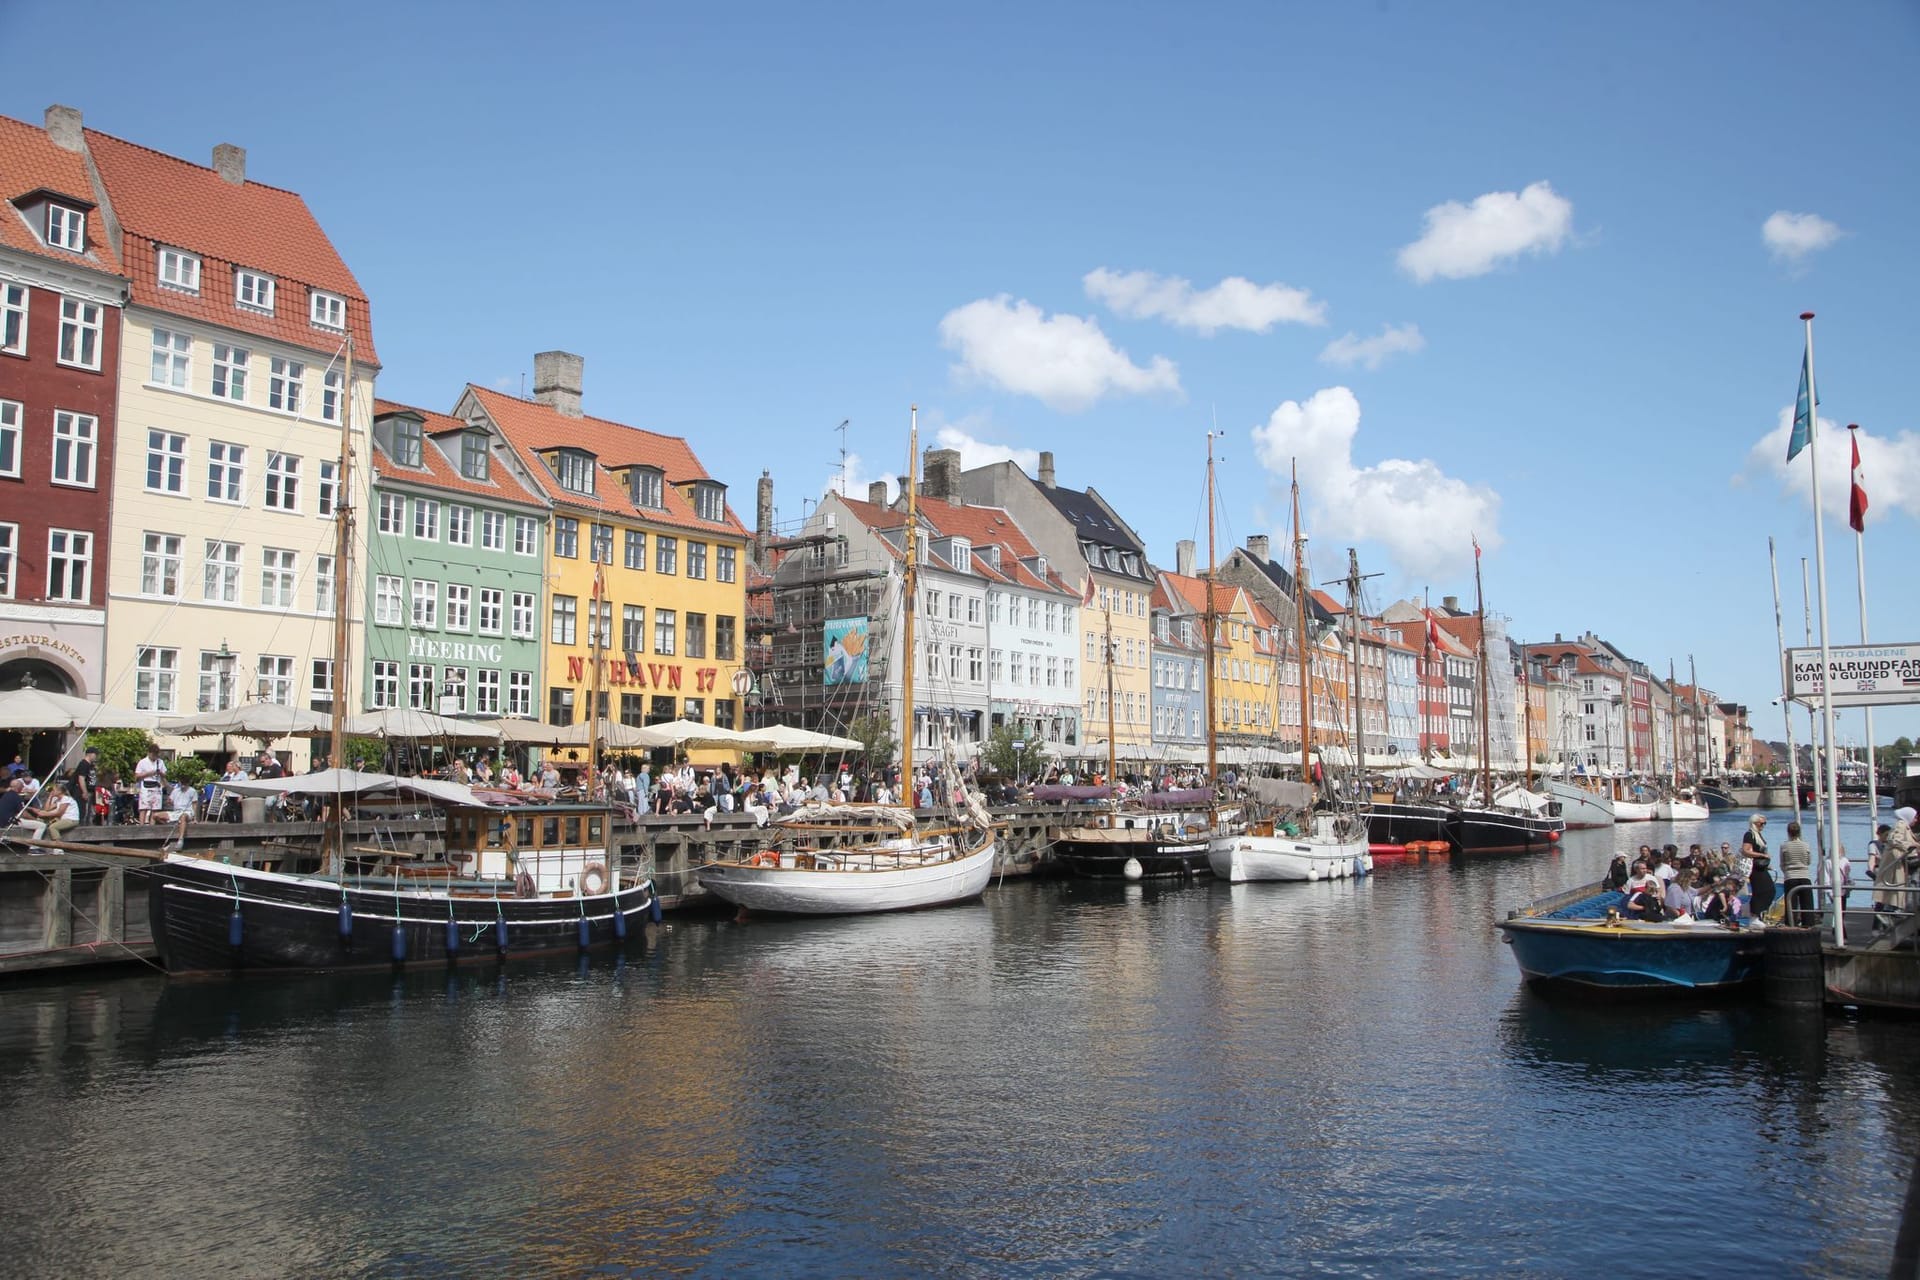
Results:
[13, 801]
[1664, 868]
[1648, 901]
[1753, 846]
[1796, 872]
[1723, 903]
[1899, 861]
[1681, 900]
[1642, 878]
[1616, 873]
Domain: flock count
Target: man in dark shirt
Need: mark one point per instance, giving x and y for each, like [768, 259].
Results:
[83, 783]
[12, 800]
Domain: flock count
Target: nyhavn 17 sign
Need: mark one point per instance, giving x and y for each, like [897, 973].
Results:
[1862, 675]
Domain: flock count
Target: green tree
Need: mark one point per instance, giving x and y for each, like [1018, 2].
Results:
[999, 755]
[191, 770]
[875, 732]
[120, 749]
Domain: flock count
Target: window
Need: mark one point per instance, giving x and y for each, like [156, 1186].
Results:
[276, 578]
[13, 318]
[474, 458]
[647, 488]
[459, 606]
[328, 488]
[386, 600]
[493, 531]
[426, 519]
[600, 543]
[385, 690]
[559, 706]
[408, 443]
[283, 482]
[723, 564]
[566, 611]
[663, 631]
[284, 379]
[602, 635]
[635, 555]
[323, 586]
[666, 554]
[66, 228]
[696, 710]
[166, 460]
[226, 471]
[724, 628]
[216, 682]
[696, 560]
[453, 691]
[160, 564]
[9, 540]
[574, 470]
[327, 310]
[322, 685]
[253, 290]
[273, 679]
[486, 692]
[393, 513]
[696, 635]
[633, 628]
[222, 572]
[566, 537]
[459, 526]
[953, 608]
[155, 674]
[426, 603]
[492, 606]
[526, 537]
[723, 709]
[73, 439]
[229, 371]
[523, 612]
[974, 664]
[973, 609]
[178, 269]
[79, 333]
[330, 382]
[710, 502]
[420, 686]
[633, 709]
[172, 358]
[519, 693]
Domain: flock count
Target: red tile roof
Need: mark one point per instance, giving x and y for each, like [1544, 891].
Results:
[164, 200]
[986, 527]
[500, 483]
[533, 428]
[29, 161]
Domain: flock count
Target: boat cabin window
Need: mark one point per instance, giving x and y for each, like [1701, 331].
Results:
[549, 832]
[571, 825]
[596, 829]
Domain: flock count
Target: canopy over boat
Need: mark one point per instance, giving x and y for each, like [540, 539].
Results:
[354, 782]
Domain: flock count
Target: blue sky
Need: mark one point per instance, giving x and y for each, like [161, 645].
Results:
[757, 221]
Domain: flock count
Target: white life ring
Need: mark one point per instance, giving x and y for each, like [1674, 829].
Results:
[593, 879]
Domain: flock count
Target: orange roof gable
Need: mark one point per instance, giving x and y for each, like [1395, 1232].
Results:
[440, 473]
[163, 200]
[30, 161]
[987, 527]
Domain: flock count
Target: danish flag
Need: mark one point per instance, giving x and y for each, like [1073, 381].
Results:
[1857, 507]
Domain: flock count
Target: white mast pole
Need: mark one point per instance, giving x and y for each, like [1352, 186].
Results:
[1826, 692]
[1860, 566]
[1786, 689]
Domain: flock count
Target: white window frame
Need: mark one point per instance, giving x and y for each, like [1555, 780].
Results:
[166, 462]
[524, 615]
[388, 607]
[459, 607]
[327, 488]
[273, 679]
[279, 572]
[253, 290]
[177, 269]
[383, 690]
[220, 572]
[160, 565]
[216, 685]
[486, 691]
[226, 472]
[156, 678]
[282, 492]
[12, 438]
[323, 585]
[422, 687]
[15, 305]
[172, 360]
[230, 368]
[489, 618]
[459, 525]
[519, 693]
[66, 228]
[426, 519]
[526, 536]
[286, 383]
[331, 381]
[73, 548]
[76, 442]
[424, 598]
[326, 310]
[9, 547]
[393, 514]
[79, 334]
[493, 531]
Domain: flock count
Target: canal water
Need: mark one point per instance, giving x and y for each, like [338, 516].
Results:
[1063, 1080]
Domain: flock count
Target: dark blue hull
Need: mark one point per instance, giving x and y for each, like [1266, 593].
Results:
[1572, 948]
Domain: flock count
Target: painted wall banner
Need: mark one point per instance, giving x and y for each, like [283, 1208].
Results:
[1862, 675]
[844, 641]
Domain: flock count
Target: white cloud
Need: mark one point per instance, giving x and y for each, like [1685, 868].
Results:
[1889, 469]
[1352, 349]
[1425, 519]
[1063, 361]
[858, 477]
[978, 453]
[1792, 236]
[1234, 303]
[1463, 240]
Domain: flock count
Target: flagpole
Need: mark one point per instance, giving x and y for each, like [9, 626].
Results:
[1786, 690]
[1857, 517]
[1813, 721]
[1831, 773]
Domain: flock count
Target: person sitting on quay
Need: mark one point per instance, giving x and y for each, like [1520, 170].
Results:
[179, 812]
[54, 815]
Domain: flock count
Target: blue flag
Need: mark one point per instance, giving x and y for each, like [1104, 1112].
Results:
[1802, 416]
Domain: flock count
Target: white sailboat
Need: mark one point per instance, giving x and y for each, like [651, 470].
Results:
[1674, 806]
[850, 859]
[1333, 844]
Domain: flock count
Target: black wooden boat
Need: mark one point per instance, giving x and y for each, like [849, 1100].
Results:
[1393, 822]
[1167, 836]
[1498, 830]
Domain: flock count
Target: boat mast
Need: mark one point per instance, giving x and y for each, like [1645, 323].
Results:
[1353, 633]
[1426, 673]
[1699, 710]
[1112, 759]
[336, 840]
[1673, 709]
[1300, 611]
[909, 586]
[1486, 741]
[1526, 718]
[594, 651]
[1212, 621]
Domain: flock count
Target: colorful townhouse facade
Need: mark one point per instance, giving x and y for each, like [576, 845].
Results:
[454, 578]
[1179, 672]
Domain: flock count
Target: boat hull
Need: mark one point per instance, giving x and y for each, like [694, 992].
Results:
[1580, 809]
[850, 887]
[1243, 858]
[1679, 811]
[1634, 957]
[1501, 831]
[1391, 823]
[1102, 854]
[294, 923]
[1632, 811]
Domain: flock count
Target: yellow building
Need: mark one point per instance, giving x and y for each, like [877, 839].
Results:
[636, 510]
[1246, 638]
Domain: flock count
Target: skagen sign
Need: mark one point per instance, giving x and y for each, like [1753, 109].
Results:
[452, 650]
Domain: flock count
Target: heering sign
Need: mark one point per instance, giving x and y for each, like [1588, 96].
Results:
[452, 650]
[1862, 675]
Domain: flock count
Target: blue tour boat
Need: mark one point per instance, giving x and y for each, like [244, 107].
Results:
[1581, 940]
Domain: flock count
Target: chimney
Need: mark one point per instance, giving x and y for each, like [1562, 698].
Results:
[943, 474]
[1183, 557]
[230, 162]
[1046, 468]
[1258, 546]
[1556, 637]
[63, 127]
[1450, 603]
[877, 493]
[763, 509]
[556, 381]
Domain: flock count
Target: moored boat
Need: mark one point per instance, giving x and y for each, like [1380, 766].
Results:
[1333, 848]
[1579, 940]
[1581, 808]
[1166, 835]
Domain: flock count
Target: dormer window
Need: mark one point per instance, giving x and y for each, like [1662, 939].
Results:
[473, 455]
[649, 488]
[66, 228]
[960, 555]
[328, 310]
[992, 553]
[574, 470]
[253, 290]
[407, 442]
[710, 501]
[178, 269]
